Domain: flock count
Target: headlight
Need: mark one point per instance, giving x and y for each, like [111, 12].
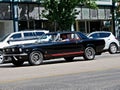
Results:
[7, 50]
[20, 49]
[13, 49]
[3, 50]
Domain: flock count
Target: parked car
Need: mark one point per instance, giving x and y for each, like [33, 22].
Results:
[118, 35]
[20, 37]
[118, 38]
[111, 43]
[51, 45]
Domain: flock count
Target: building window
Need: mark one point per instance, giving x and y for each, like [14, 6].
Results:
[85, 13]
[23, 12]
[5, 11]
[33, 11]
[101, 13]
[93, 14]
[28, 12]
[108, 13]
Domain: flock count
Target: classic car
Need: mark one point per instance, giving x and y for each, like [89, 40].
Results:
[51, 45]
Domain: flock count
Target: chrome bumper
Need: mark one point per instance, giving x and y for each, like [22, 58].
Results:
[23, 54]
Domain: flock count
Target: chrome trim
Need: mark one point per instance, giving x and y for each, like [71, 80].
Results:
[23, 54]
[15, 58]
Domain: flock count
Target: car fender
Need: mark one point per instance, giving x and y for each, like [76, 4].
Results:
[37, 49]
[91, 45]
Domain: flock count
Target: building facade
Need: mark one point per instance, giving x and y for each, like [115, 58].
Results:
[17, 15]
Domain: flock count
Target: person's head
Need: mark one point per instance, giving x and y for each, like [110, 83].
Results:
[63, 36]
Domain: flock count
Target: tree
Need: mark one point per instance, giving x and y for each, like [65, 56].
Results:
[62, 12]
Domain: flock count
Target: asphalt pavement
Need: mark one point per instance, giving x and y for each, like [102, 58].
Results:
[98, 80]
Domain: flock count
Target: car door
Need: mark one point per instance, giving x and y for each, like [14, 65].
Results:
[64, 48]
[107, 39]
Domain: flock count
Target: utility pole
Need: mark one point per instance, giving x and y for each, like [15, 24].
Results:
[113, 16]
[15, 15]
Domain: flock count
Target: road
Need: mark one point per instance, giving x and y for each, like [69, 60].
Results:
[103, 73]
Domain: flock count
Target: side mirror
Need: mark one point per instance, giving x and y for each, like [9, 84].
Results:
[8, 41]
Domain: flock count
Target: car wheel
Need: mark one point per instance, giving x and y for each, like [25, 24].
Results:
[89, 53]
[69, 59]
[1, 57]
[35, 58]
[113, 48]
[17, 63]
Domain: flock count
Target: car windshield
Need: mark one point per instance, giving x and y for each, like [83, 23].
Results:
[4, 37]
[47, 37]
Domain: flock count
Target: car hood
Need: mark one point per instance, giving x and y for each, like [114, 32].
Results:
[29, 45]
[2, 45]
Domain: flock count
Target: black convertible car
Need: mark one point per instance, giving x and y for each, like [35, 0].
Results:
[55, 45]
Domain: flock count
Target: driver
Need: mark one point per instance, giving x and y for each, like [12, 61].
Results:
[64, 37]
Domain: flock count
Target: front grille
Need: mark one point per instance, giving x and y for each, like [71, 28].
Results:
[11, 51]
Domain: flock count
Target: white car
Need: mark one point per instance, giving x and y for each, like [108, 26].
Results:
[111, 43]
[21, 37]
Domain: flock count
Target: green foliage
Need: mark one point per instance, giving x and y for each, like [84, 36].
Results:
[63, 12]
[92, 5]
